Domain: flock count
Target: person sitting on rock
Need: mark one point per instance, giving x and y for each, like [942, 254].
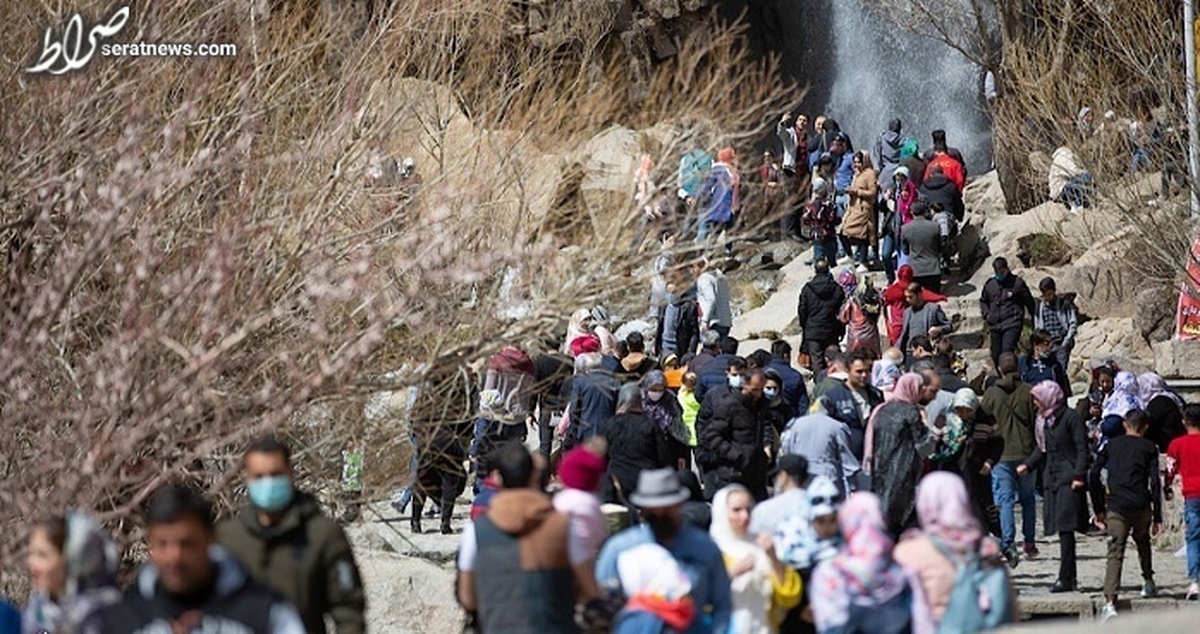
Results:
[1070, 183]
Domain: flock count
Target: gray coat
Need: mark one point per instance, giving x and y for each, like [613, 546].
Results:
[922, 241]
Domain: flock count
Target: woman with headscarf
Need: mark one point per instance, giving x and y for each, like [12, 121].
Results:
[859, 230]
[635, 444]
[580, 325]
[73, 571]
[664, 410]
[862, 325]
[777, 413]
[894, 302]
[950, 535]
[1062, 444]
[1164, 408]
[862, 589]
[763, 587]
[951, 437]
[1122, 400]
[896, 445]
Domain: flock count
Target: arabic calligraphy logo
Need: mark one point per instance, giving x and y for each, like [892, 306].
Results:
[69, 50]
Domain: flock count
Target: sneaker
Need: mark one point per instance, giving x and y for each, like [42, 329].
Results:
[844, 259]
[400, 502]
[862, 268]
[434, 510]
[1108, 612]
[1193, 592]
[1149, 590]
[1031, 551]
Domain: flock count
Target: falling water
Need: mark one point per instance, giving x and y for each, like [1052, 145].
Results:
[879, 71]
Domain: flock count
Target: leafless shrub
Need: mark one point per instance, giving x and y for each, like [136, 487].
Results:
[192, 258]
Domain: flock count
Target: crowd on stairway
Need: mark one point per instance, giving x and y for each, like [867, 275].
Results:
[854, 483]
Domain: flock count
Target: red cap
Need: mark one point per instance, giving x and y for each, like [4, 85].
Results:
[581, 469]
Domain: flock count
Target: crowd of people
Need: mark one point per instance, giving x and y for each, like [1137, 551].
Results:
[280, 566]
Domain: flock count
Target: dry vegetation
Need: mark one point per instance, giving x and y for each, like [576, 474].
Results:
[192, 257]
[1051, 58]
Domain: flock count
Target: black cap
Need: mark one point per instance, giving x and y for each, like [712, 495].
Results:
[795, 466]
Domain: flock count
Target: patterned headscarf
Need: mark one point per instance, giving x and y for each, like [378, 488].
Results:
[1124, 396]
[847, 280]
[866, 558]
[1048, 396]
[1151, 385]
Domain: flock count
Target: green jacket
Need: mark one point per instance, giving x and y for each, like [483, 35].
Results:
[306, 558]
[1010, 400]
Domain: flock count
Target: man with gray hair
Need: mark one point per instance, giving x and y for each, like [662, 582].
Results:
[710, 347]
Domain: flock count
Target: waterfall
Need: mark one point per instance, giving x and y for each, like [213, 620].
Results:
[878, 71]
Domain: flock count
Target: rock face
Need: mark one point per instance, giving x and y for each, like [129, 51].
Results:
[1175, 359]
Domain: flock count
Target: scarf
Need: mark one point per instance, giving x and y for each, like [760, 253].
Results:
[1124, 397]
[1048, 397]
[945, 513]
[1150, 386]
[865, 560]
[666, 411]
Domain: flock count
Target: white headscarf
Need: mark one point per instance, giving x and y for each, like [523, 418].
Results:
[752, 592]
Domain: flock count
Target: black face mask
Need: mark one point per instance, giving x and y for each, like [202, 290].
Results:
[663, 527]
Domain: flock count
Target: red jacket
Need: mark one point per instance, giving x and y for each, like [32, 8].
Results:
[1183, 458]
[950, 167]
[894, 304]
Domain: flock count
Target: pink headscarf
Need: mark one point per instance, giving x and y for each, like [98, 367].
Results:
[866, 557]
[945, 511]
[908, 389]
[1048, 397]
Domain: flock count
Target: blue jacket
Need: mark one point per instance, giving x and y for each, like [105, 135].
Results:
[718, 193]
[593, 401]
[841, 406]
[1035, 370]
[845, 172]
[699, 557]
[712, 375]
[795, 393]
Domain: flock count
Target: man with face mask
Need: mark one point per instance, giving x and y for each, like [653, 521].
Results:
[1003, 303]
[660, 497]
[730, 426]
[320, 577]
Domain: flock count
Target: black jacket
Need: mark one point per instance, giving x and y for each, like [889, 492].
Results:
[820, 302]
[1133, 481]
[634, 445]
[1066, 457]
[731, 436]
[712, 375]
[938, 190]
[235, 603]
[1004, 304]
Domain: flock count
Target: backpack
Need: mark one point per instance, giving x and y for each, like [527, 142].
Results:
[871, 303]
[981, 598]
[508, 387]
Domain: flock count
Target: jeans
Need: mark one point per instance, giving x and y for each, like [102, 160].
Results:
[825, 249]
[1191, 517]
[1007, 489]
[1120, 527]
[1078, 191]
[1063, 354]
[888, 255]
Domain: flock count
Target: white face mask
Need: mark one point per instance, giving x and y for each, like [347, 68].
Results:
[735, 381]
[770, 394]
[655, 395]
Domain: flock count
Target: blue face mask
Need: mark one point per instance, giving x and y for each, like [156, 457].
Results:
[735, 381]
[271, 493]
[1000, 276]
[770, 394]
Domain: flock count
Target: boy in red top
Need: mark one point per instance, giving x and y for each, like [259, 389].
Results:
[1183, 458]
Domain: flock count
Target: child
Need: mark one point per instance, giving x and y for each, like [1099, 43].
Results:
[1134, 504]
[886, 371]
[580, 472]
[690, 406]
[1040, 365]
[1183, 458]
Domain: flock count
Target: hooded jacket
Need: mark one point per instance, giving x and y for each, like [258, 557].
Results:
[938, 190]
[523, 579]
[236, 603]
[1010, 402]
[820, 302]
[731, 436]
[1004, 302]
[306, 558]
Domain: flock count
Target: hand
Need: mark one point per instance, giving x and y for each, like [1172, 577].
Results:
[1100, 521]
[742, 567]
[935, 332]
[1077, 485]
[986, 469]
[1022, 469]
[1156, 529]
[766, 543]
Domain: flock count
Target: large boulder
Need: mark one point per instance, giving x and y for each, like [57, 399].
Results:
[1002, 234]
[1110, 338]
[1177, 359]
